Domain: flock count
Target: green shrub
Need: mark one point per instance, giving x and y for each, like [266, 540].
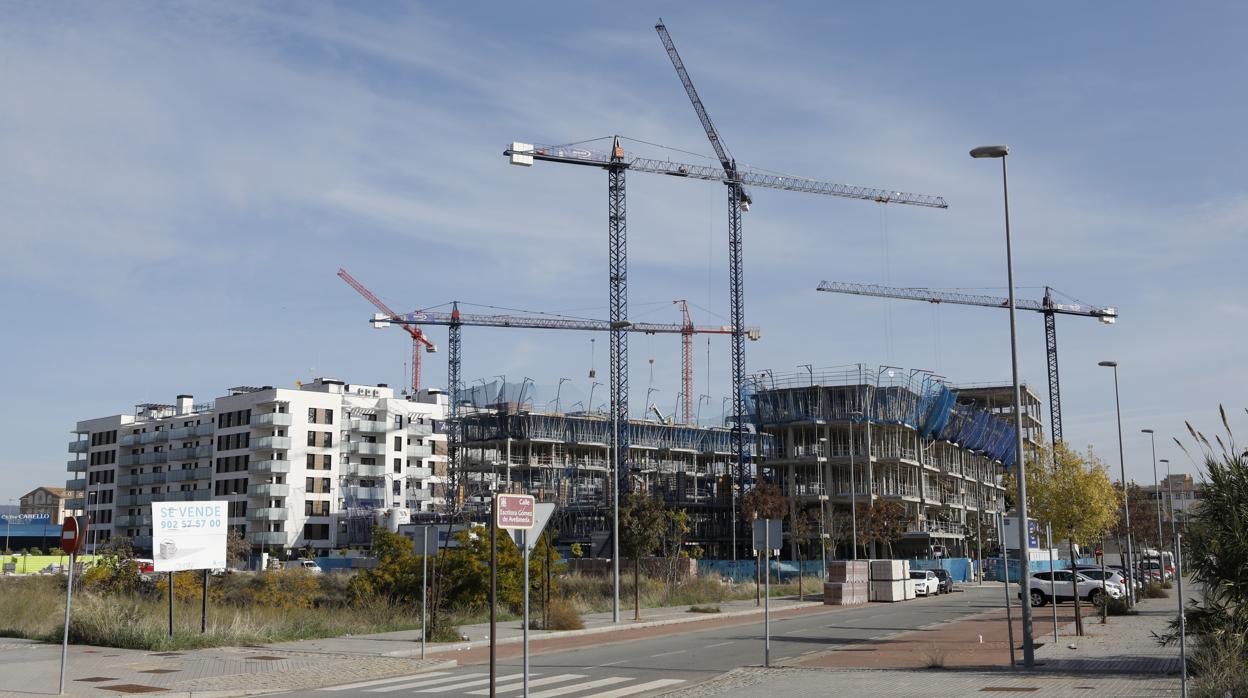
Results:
[704, 609]
[562, 616]
[1119, 607]
[1153, 590]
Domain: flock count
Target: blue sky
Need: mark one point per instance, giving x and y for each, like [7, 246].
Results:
[181, 182]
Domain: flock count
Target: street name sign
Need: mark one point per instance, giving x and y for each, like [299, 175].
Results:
[515, 511]
[188, 536]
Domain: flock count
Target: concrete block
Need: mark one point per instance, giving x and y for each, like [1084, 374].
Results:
[911, 584]
[849, 571]
[888, 592]
[845, 593]
[889, 570]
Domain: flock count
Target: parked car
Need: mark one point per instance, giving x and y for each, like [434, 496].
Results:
[1111, 576]
[946, 581]
[1046, 587]
[926, 583]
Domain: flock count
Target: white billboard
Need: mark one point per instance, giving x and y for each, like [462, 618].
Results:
[188, 536]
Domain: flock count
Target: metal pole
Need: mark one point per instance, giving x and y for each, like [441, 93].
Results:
[1005, 574]
[1126, 505]
[424, 590]
[767, 593]
[1157, 493]
[1174, 530]
[69, 592]
[823, 540]
[870, 465]
[203, 611]
[1178, 575]
[170, 604]
[524, 543]
[615, 515]
[1048, 538]
[493, 591]
[853, 494]
[1024, 527]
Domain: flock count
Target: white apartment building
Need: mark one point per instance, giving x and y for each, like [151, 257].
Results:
[310, 466]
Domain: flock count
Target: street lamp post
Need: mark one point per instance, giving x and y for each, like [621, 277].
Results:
[823, 536]
[853, 487]
[1156, 490]
[559, 394]
[1000, 152]
[1122, 469]
[1170, 496]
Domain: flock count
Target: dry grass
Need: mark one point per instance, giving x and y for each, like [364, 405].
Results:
[934, 657]
[592, 594]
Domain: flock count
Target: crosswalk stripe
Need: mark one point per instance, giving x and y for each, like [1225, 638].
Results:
[378, 682]
[630, 690]
[423, 684]
[532, 684]
[587, 686]
[472, 684]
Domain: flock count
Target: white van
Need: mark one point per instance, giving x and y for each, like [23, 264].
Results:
[309, 565]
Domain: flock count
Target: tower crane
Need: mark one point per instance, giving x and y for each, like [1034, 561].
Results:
[455, 320]
[1047, 307]
[686, 361]
[418, 336]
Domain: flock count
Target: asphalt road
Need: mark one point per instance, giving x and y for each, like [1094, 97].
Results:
[654, 665]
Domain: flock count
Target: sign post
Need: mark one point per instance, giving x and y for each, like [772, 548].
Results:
[512, 512]
[71, 541]
[527, 539]
[188, 536]
[424, 590]
[765, 531]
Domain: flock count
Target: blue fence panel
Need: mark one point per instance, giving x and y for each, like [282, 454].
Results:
[960, 569]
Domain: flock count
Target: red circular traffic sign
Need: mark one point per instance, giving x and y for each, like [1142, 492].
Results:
[72, 535]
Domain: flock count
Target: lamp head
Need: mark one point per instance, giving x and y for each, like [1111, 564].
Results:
[1108, 364]
[990, 151]
[1146, 431]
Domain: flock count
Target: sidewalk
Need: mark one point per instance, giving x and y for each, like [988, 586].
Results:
[1120, 658]
[406, 643]
[32, 669]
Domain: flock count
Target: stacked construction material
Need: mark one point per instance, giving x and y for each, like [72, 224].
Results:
[847, 583]
[889, 579]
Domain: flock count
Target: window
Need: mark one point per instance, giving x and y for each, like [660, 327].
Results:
[325, 484]
[398, 465]
[311, 438]
[311, 415]
[311, 461]
[398, 421]
[329, 416]
[398, 443]
[311, 487]
[1044, 576]
[329, 461]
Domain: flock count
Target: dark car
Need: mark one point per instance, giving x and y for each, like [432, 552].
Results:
[946, 582]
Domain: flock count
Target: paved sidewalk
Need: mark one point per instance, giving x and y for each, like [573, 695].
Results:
[30, 668]
[406, 643]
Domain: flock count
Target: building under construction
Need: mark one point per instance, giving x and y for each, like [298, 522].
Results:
[937, 452]
[567, 459]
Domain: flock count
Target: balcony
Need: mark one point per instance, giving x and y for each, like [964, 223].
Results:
[128, 440]
[366, 448]
[268, 466]
[76, 466]
[418, 495]
[419, 473]
[377, 494]
[947, 528]
[420, 430]
[181, 433]
[154, 437]
[268, 489]
[130, 521]
[188, 496]
[356, 470]
[271, 419]
[276, 443]
[142, 542]
[267, 514]
[74, 504]
[268, 537]
[76, 485]
[78, 446]
[143, 459]
[134, 500]
[366, 426]
[191, 453]
[205, 429]
[190, 474]
[419, 451]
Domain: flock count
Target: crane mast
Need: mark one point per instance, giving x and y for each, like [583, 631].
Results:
[686, 362]
[1047, 307]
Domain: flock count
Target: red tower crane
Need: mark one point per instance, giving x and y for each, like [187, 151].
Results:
[418, 336]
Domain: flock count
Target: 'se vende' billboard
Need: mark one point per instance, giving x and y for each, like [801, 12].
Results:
[188, 536]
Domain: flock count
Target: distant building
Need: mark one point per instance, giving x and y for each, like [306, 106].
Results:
[45, 500]
[310, 466]
[1179, 493]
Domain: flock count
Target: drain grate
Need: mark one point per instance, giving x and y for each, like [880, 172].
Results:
[265, 657]
[160, 671]
[95, 679]
[1008, 689]
[133, 688]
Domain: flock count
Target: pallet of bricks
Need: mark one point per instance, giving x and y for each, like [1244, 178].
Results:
[890, 581]
[847, 583]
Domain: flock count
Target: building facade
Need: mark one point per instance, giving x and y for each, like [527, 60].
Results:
[1180, 495]
[41, 501]
[847, 437]
[310, 467]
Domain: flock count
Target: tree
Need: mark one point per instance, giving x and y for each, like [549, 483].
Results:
[764, 501]
[642, 523]
[237, 548]
[1143, 517]
[397, 575]
[1074, 495]
[672, 545]
[465, 570]
[883, 522]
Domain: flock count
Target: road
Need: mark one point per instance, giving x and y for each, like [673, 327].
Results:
[664, 662]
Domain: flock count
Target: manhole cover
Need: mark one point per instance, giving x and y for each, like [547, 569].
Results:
[133, 688]
[94, 679]
[264, 657]
[160, 671]
[1007, 689]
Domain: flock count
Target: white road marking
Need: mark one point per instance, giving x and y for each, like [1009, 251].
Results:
[472, 684]
[579, 687]
[378, 682]
[532, 683]
[423, 683]
[719, 644]
[630, 690]
[618, 661]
